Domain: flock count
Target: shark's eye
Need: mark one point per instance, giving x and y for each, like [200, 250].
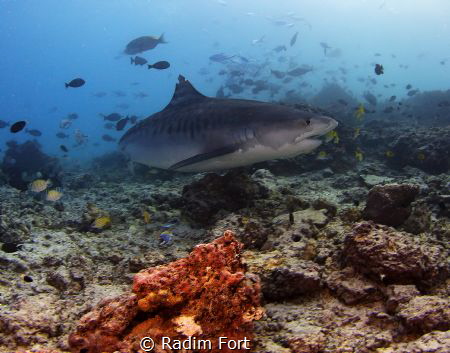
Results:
[308, 121]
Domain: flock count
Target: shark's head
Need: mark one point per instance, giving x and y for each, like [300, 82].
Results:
[290, 131]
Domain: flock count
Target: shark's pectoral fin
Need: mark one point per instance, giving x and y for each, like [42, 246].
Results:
[205, 156]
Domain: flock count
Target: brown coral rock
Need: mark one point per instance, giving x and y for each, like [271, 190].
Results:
[433, 342]
[351, 289]
[399, 294]
[426, 313]
[390, 204]
[206, 295]
[394, 257]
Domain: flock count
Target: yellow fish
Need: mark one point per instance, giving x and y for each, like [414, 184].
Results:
[360, 112]
[357, 133]
[245, 220]
[389, 154]
[332, 136]
[39, 185]
[359, 155]
[147, 218]
[101, 222]
[322, 155]
[53, 195]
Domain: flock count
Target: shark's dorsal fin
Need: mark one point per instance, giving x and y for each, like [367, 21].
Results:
[184, 94]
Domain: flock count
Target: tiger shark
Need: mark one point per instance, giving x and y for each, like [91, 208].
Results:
[195, 133]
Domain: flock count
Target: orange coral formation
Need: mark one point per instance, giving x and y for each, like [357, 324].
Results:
[204, 296]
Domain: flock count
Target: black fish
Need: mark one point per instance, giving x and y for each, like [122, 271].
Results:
[293, 39]
[143, 43]
[112, 117]
[409, 86]
[121, 123]
[108, 138]
[3, 124]
[138, 60]
[379, 69]
[412, 92]
[63, 148]
[33, 132]
[18, 126]
[76, 82]
[299, 71]
[393, 98]
[160, 65]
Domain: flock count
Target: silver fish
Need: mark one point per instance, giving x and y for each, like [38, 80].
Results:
[195, 133]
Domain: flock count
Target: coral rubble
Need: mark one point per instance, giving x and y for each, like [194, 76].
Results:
[206, 295]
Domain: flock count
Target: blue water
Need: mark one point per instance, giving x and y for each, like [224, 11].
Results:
[45, 43]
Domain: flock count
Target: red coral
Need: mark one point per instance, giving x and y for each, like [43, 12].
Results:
[206, 295]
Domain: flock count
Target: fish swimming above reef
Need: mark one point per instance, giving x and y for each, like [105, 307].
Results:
[143, 43]
[195, 133]
[76, 82]
[138, 60]
[160, 65]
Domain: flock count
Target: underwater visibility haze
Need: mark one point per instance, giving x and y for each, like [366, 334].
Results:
[224, 176]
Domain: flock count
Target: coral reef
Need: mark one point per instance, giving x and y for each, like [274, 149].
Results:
[328, 285]
[390, 204]
[206, 294]
[393, 257]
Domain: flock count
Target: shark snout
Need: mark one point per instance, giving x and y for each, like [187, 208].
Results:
[323, 124]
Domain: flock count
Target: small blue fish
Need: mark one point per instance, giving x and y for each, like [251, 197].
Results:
[166, 238]
[167, 225]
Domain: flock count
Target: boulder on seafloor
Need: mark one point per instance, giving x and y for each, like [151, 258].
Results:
[206, 293]
[390, 204]
[396, 257]
[204, 198]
